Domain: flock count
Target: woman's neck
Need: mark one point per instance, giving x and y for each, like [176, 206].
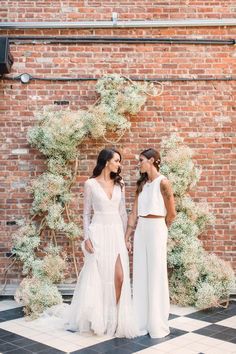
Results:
[105, 175]
[153, 174]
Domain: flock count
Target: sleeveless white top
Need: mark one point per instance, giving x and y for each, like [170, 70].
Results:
[150, 200]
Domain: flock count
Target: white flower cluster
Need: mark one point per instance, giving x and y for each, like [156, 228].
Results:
[56, 222]
[58, 133]
[196, 277]
[47, 189]
[178, 166]
[36, 295]
[25, 241]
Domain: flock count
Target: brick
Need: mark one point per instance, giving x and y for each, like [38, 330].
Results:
[19, 151]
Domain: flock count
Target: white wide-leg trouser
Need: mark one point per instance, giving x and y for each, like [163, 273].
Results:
[150, 279]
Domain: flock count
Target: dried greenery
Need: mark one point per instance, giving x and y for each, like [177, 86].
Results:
[36, 295]
[197, 278]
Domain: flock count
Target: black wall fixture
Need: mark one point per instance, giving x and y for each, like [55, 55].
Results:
[6, 58]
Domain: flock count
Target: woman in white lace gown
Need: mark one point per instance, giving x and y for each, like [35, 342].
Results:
[102, 298]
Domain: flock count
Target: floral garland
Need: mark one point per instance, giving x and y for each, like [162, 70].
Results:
[196, 278]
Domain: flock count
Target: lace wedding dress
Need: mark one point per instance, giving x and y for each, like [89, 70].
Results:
[93, 306]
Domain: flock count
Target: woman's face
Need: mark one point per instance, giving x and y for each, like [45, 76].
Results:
[144, 164]
[114, 163]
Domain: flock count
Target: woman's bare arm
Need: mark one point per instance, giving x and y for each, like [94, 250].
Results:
[132, 218]
[169, 201]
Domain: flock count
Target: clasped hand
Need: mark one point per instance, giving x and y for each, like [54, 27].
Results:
[128, 246]
[89, 246]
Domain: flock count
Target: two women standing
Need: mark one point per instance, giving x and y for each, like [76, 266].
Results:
[102, 300]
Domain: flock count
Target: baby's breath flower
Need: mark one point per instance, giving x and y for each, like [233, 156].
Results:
[197, 278]
[36, 295]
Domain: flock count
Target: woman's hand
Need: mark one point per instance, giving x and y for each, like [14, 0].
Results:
[128, 246]
[89, 246]
[169, 219]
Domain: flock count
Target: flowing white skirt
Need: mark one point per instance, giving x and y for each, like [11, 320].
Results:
[93, 306]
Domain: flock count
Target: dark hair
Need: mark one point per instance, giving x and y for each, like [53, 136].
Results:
[148, 153]
[104, 156]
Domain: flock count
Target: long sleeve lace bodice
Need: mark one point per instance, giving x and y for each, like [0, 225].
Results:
[87, 212]
[97, 202]
[122, 210]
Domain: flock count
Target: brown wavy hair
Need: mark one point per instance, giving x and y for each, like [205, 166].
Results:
[104, 156]
[148, 153]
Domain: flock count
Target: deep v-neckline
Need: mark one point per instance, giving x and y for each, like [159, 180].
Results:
[105, 191]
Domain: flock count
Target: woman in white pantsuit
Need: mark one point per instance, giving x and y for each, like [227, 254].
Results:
[155, 210]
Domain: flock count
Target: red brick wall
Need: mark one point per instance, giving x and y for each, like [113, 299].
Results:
[203, 113]
[73, 10]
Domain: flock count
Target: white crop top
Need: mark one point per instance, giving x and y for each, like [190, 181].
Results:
[150, 200]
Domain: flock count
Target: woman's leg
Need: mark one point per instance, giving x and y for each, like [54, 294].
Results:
[140, 281]
[119, 276]
[158, 292]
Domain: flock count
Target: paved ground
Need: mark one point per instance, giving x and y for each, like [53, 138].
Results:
[211, 331]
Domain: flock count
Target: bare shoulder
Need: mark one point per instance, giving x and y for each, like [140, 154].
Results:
[165, 182]
[166, 188]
